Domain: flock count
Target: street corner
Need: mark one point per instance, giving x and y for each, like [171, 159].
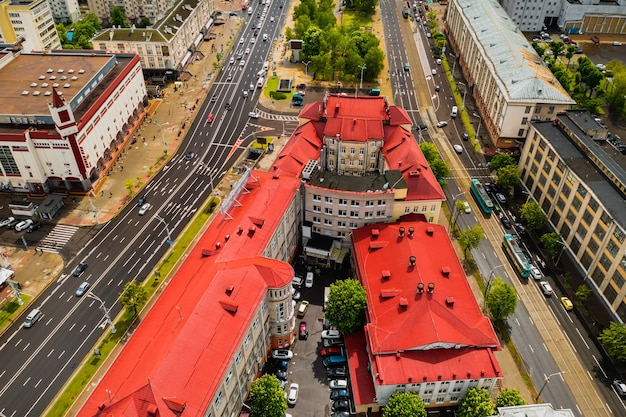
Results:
[35, 269]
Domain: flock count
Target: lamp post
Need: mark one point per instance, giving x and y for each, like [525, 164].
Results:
[210, 174]
[456, 212]
[453, 65]
[105, 310]
[363, 67]
[167, 230]
[558, 258]
[479, 123]
[306, 70]
[464, 94]
[546, 380]
[492, 275]
[162, 132]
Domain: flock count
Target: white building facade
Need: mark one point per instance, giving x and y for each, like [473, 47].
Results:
[31, 25]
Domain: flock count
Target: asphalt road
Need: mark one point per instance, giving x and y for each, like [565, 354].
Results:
[38, 361]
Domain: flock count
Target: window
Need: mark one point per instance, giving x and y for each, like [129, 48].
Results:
[527, 110]
[316, 219]
[341, 224]
[328, 199]
[219, 398]
[382, 202]
[407, 210]
[525, 121]
[351, 151]
[343, 213]
[373, 155]
[328, 210]
[369, 214]
[433, 208]
[354, 203]
[247, 341]
[238, 358]
[361, 151]
[229, 377]
[317, 197]
[354, 225]
[416, 209]
[520, 132]
[343, 202]
[343, 149]
[369, 203]
[354, 214]
[328, 222]
[317, 209]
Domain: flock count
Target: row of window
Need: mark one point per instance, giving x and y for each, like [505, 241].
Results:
[353, 203]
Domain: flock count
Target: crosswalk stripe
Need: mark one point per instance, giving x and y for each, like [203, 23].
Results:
[57, 238]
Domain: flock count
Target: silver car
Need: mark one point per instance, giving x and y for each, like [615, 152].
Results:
[82, 289]
[144, 209]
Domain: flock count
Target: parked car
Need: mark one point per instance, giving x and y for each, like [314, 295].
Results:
[332, 342]
[13, 223]
[442, 123]
[80, 269]
[338, 384]
[142, 200]
[33, 226]
[82, 289]
[337, 394]
[297, 281]
[546, 288]
[331, 350]
[341, 405]
[326, 326]
[331, 334]
[6, 221]
[292, 397]
[296, 295]
[301, 86]
[281, 374]
[567, 303]
[536, 273]
[23, 225]
[333, 373]
[282, 354]
[280, 364]
[144, 209]
[336, 361]
[308, 282]
[303, 333]
[340, 414]
[304, 305]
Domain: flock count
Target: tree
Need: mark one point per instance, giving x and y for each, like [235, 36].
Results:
[501, 160]
[509, 397]
[437, 165]
[346, 305]
[144, 23]
[365, 6]
[267, 398]
[553, 244]
[501, 299]
[508, 176]
[133, 297]
[470, 238]
[613, 338]
[583, 292]
[475, 403]
[532, 214]
[459, 208]
[117, 17]
[404, 404]
[557, 48]
[430, 151]
[569, 53]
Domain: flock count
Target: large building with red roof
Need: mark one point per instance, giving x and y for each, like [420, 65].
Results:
[207, 336]
[362, 165]
[424, 330]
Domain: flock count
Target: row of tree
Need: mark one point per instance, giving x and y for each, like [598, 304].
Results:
[344, 52]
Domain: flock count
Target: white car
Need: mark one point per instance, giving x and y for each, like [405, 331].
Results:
[466, 207]
[296, 295]
[292, 397]
[6, 221]
[458, 148]
[144, 209]
[282, 354]
[339, 384]
[297, 281]
[536, 273]
[23, 225]
[241, 41]
[443, 123]
[232, 60]
[253, 115]
[308, 282]
[242, 63]
[546, 288]
[331, 334]
[247, 51]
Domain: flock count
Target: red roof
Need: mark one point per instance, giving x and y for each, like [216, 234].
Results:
[199, 320]
[422, 325]
[361, 119]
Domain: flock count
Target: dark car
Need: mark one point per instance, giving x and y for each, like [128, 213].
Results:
[33, 227]
[421, 127]
[340, 414]
[80, 269]
[331, 350]
[339, 394]
[501, 198]
[334, 373]
[213, 98]
[280, 364]
[341, 405]
[464, 136]
[505, 222]
[281, 374]
[301, 86]
[142, 200]
[303, 333]
[228, 106]
[189, 155]
[332, 342]
[437, 88]
[520, 228]
[326, 326]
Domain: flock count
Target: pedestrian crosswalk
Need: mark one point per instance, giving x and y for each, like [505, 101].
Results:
[278, 117]
[57, 238]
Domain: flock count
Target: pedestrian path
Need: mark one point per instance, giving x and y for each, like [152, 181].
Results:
[57, 238]
[277, 117]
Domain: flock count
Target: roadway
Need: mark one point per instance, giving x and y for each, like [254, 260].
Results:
[38, 361]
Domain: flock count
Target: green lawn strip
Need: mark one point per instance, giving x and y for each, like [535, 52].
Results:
[458, 98]
[360, 19]
[11, 310]
[125, 319]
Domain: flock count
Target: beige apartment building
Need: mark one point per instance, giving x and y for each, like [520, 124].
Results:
[577, 177]
[133, 9]
[30, 24]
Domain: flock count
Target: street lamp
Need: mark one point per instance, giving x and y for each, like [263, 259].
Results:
[105, 310]
[464, 94]
[167, 230]
[479, 123]
[453, 65]
[363, 67]
[306, 69]
[211, 175]
[546, 380]
[492, 275]
[456, 212]
[162, 132]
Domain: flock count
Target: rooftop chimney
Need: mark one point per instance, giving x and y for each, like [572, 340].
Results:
[411, 230]
[420, 288]
[431, 287]
[401, 232]
[411, 260]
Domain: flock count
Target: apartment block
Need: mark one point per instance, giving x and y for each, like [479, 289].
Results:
[65, 10]
[577, 176]
[134, 10]
[29, 24]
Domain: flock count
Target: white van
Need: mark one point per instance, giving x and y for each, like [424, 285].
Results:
[32, 317]
[259, 83]
[455, 111]
[266, 64]
[264, 36]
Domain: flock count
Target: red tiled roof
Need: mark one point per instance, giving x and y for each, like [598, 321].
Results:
[417, 324]
[178, 354]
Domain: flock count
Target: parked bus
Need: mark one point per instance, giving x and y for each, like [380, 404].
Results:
[481, 197]
[516, 255]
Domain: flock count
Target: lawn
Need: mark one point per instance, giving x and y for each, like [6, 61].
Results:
[360, 19]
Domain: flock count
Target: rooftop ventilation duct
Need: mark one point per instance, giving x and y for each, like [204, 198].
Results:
[411, 260]
[411, 231]
[420, 288]
[401, 232]
[431, 287]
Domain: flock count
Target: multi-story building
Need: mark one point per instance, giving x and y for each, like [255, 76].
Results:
[30, 24]
[65, 10]
[584, 16]
[534, 410]
[361, 165]
[63, 115]
[510, 83]
[578, 179]
[201, 355]
[424, 330]
[169, 44]
[134, 10]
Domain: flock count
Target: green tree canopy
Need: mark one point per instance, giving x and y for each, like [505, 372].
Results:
[267, 398]
[346, 305]
[430, 151]
[470, 238]
[508, 176]
[475, 403]
[133, 297]
[501, 299]
[613, 338]
[583, 292]
[404, 404]
[553, 243]
[117, 17]
[365, 6]
[532, 214]
[501, 160]
[509, 397]
[437, 165]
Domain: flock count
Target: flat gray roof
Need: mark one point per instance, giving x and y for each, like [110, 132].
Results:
[333, 181]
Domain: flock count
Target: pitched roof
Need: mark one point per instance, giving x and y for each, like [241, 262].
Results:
[421, 308]
[201, 317]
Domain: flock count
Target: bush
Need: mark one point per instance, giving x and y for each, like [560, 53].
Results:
[277, 95]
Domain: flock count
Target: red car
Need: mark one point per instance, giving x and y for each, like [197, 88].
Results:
[301, 86]
[303, 333]
[210, 118]
[328, 351]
